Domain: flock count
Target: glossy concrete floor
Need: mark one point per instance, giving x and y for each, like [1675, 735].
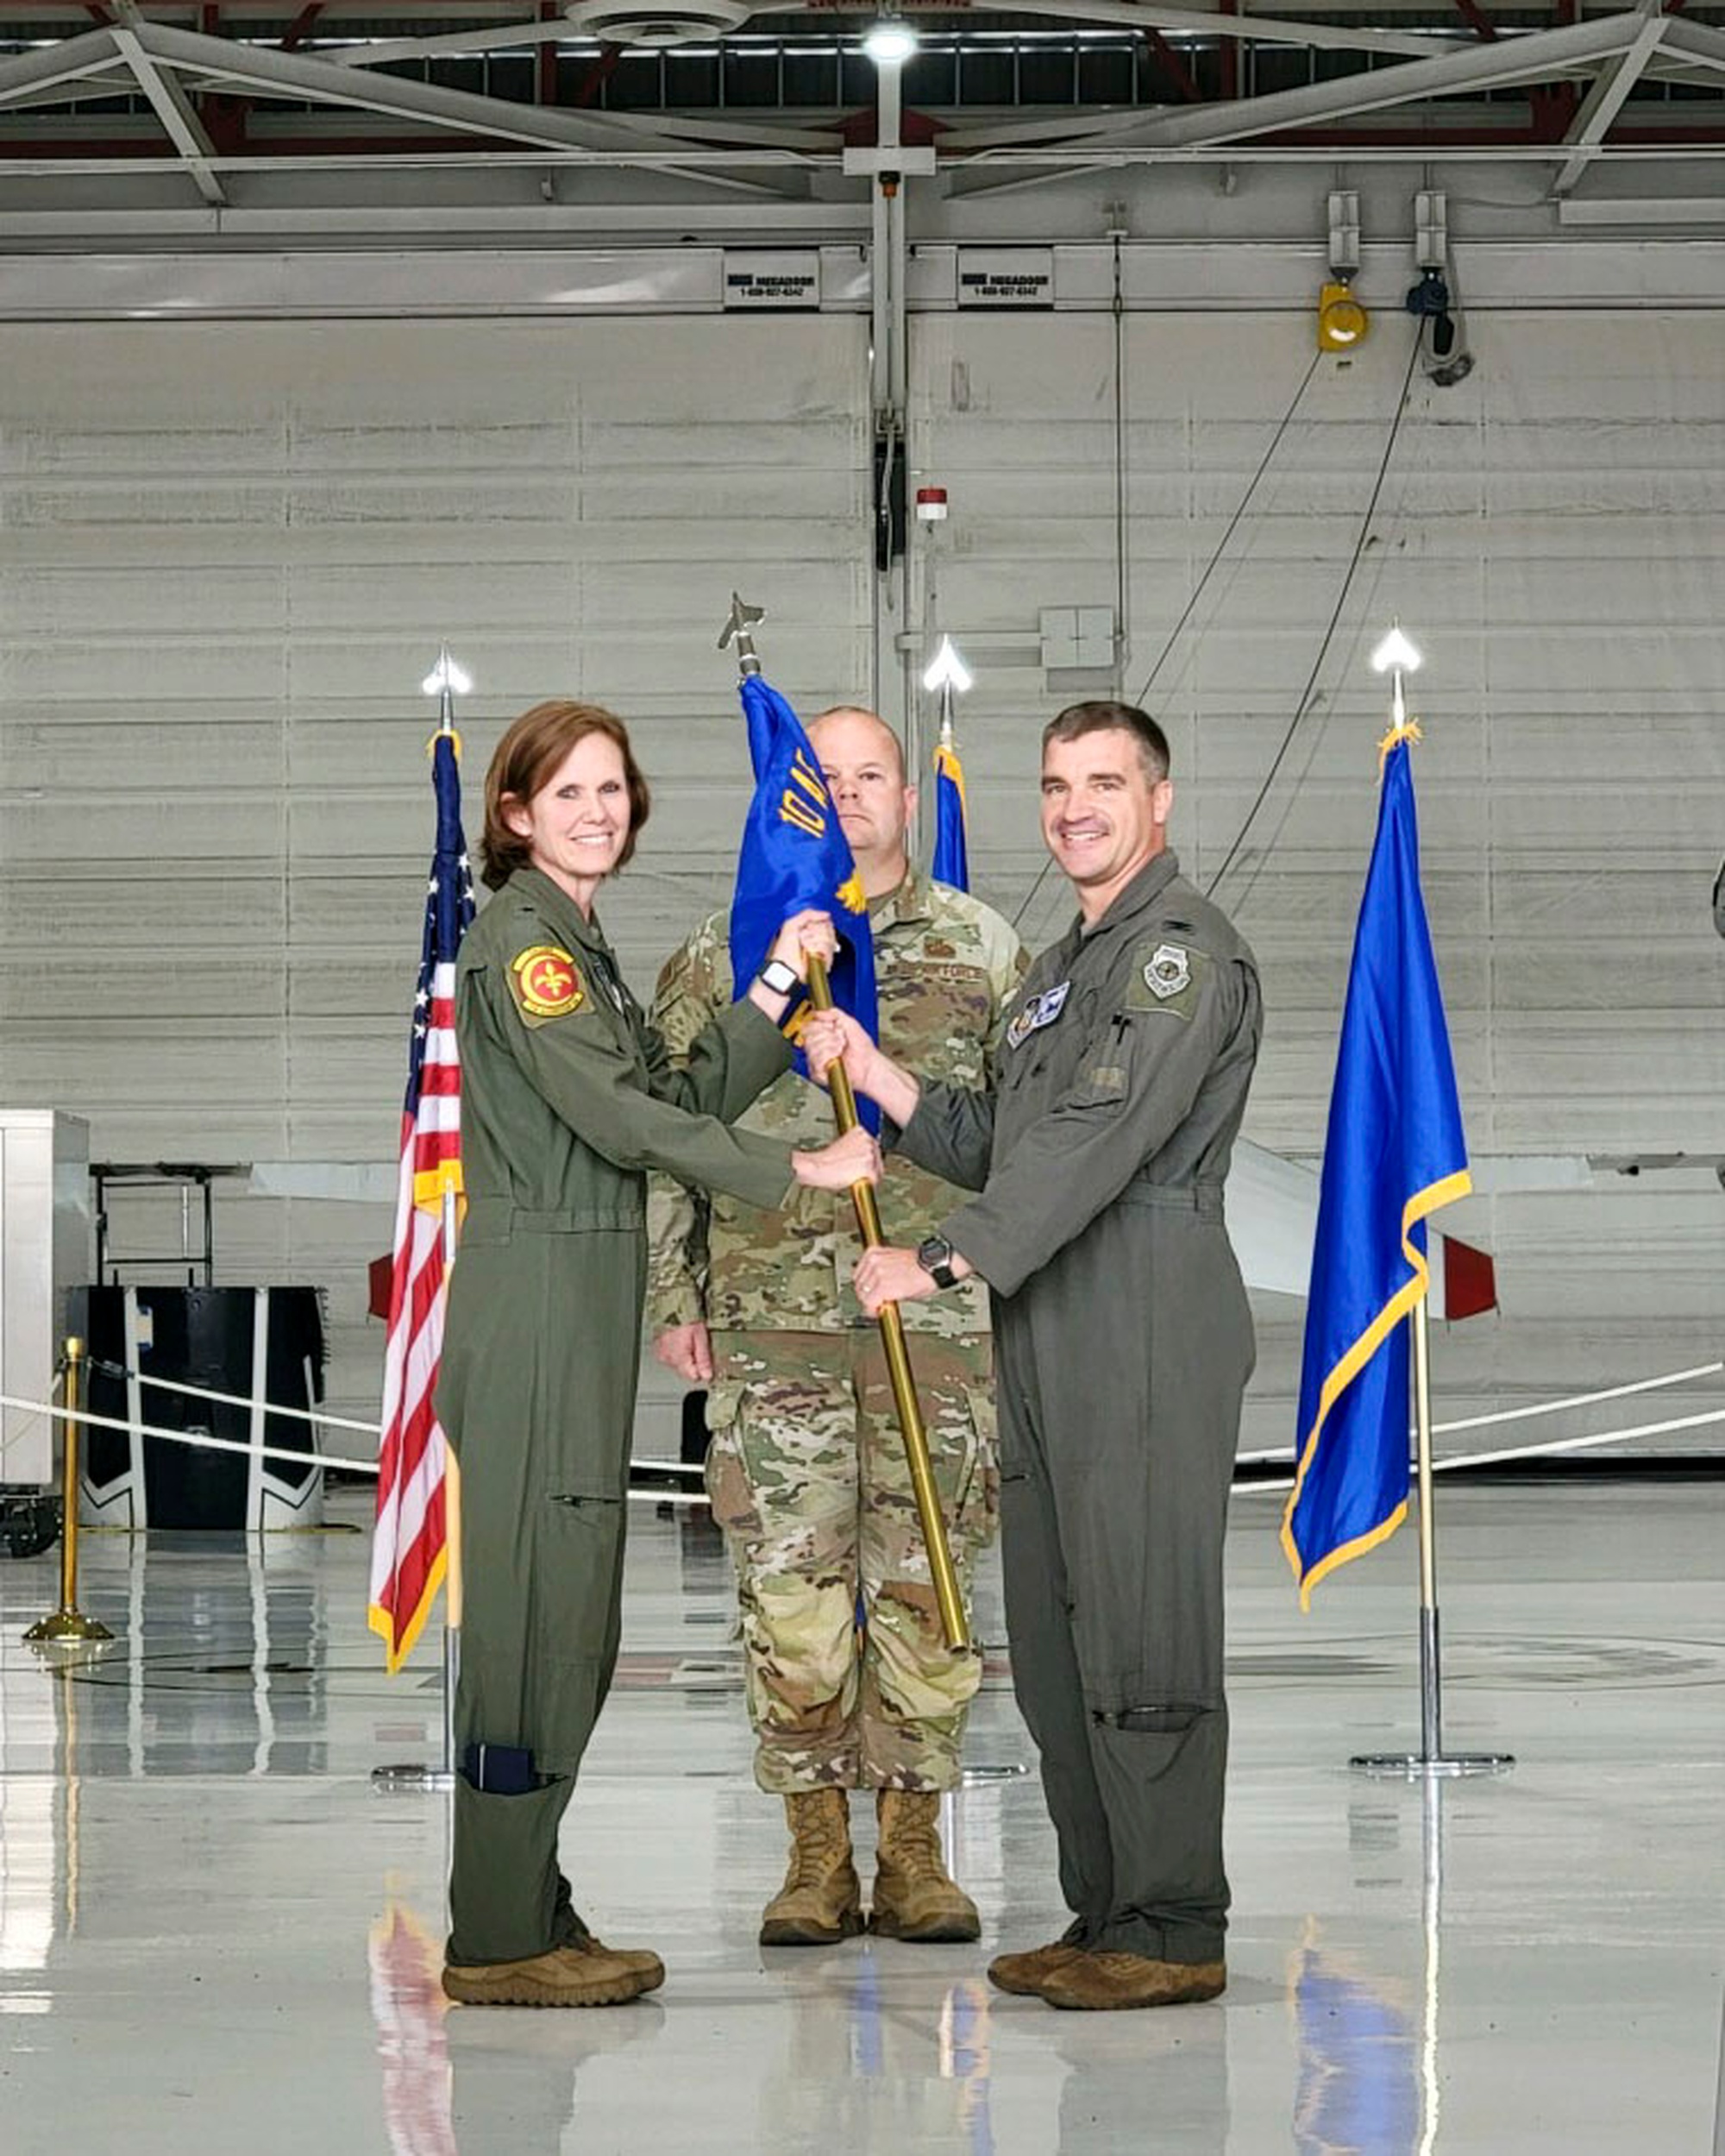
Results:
[216, 1935]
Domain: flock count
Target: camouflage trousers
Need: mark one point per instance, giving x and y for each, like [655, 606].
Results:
[850, 1680]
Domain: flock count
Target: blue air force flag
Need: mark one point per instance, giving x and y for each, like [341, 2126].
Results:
[1394, 1153]
[951, 855]
[795, 854]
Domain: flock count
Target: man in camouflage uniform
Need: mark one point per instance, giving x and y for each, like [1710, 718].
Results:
[850, 1684]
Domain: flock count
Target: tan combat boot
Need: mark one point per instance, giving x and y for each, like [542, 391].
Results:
[1095, 1982]
[641, 1960]
[821, 1900]
[914, 1897]
[579, 1974]
[1025, 1974]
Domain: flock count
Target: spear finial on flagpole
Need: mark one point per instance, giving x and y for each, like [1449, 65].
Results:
[446, 682]
[1398, 656]
[948, 673]
[735, 631]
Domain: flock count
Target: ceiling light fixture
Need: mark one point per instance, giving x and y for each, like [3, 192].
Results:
[891, 42]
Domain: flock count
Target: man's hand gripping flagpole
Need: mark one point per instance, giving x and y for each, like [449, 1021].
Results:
[948, 1597]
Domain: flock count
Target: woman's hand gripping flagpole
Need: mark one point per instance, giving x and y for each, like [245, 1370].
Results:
[948, 1598]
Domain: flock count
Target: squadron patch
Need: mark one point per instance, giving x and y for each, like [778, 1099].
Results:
[546, 983]
[1168, 971]
[1039, 1011]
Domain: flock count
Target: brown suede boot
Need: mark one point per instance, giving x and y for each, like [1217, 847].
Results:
[914, 1897]
[1024, 1975]
[1093, 1983]
[821, 1900]
[576, 1975]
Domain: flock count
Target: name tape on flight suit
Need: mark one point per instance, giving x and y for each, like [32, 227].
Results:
[546, 983]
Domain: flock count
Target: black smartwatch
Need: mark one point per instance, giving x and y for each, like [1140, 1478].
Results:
[778, 977]
[934, 1256]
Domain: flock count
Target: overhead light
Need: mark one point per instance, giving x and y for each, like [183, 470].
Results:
[1342, 321]
[891, 42]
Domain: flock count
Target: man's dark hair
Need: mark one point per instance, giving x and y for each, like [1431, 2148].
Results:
[1103, 717]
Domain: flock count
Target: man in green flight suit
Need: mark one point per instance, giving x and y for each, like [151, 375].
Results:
[807, 1471]
[1123, 1343]
[568, 1097]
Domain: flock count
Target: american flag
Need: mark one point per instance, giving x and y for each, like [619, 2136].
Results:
[408, 1555]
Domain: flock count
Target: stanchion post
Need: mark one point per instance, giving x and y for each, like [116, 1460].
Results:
[68, 1622]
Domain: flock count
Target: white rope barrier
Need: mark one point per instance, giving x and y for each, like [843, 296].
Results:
[116, 1371]
[1246, 1459]
[1521, 1414]
[1579, 1444]
[1538, 1452]
[1580, 1399]
[205, 1442]
[200, 1438]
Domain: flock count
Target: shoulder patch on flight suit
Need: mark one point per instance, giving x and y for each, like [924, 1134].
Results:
[1166, 976]
[546, 983]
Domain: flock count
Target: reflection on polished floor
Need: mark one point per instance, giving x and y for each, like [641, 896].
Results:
[215, 1935]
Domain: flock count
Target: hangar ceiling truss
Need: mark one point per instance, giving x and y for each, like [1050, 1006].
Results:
[210, 92]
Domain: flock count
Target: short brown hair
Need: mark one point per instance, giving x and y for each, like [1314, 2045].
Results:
[1078, 719]
[524, 761]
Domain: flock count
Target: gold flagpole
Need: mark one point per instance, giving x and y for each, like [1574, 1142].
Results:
[948, 1598]
[940, 1565]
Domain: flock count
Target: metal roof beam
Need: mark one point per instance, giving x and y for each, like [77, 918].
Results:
[1196, 22]
[1694, 42]
[1605, 99]
[170, 106]
[74, 59]
[1542, 55]
[318, 81]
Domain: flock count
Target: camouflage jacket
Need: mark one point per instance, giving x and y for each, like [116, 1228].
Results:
[947, 972]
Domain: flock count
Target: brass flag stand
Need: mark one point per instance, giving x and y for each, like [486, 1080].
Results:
[68, 1621]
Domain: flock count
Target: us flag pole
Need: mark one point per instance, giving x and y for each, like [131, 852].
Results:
[415, 1545]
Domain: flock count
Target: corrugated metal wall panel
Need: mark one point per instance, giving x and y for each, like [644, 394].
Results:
[228, 554]
[1545, 531]
[229, 551]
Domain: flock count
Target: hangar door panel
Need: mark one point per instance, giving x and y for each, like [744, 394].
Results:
[1547, 531]
[229, 553]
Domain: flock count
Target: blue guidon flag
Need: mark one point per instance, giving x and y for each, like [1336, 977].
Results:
[951, 863]
[1394, 1153]
[795, 854]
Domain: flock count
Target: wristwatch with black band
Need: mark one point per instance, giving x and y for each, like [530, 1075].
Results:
[779, 979]
[935, 1255]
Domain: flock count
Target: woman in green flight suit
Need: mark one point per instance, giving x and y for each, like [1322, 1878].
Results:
[567, 1098]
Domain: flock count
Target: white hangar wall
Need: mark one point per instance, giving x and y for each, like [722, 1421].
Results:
[229, 549]
[1547, 531]
[228, 555]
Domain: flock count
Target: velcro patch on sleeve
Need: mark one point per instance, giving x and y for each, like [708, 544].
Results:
[1167, 975]
[546, 984]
